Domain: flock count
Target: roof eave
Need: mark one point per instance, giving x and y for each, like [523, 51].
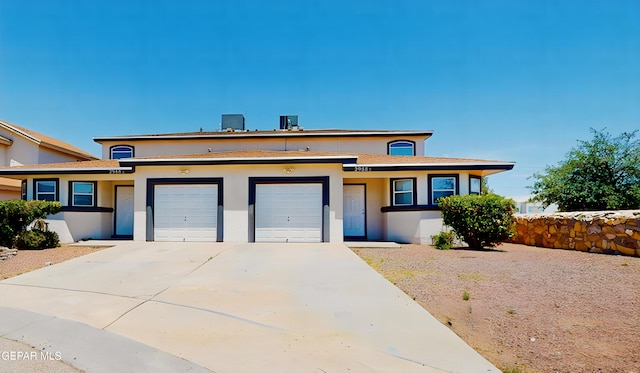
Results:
[498, 167]
[70, 170]
[249, 134]
[256, 160]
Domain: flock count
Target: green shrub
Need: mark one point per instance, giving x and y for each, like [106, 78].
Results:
[37, 239]
[443, 240]
[17, 215]
[479, 220]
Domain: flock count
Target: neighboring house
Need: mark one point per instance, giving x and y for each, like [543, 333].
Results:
[525, 206]
[20, 146]
[286, 185]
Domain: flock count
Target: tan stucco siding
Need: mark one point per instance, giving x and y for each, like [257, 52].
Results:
[236, 193]
[371, 145]
[412, 226]
[21, 152]
[46, 155]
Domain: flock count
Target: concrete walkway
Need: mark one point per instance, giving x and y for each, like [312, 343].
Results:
[227, 307]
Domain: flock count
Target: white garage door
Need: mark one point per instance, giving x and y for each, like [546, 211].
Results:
[187, 212]
[288, 213]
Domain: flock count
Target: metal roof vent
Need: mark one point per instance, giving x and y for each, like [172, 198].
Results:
[232, 122]
[289, 122]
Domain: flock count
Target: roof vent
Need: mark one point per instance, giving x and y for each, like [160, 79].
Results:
[235, 122]
[288, 122]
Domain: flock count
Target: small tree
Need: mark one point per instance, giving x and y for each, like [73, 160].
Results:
[17, 215]
[601, 174]
[480, 221]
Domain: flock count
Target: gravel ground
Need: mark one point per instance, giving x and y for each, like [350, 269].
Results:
[529, 309]
[30, 260]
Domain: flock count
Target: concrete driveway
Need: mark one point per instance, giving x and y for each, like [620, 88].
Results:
[227, 307]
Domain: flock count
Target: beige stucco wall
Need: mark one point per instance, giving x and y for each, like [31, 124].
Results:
[236, 193]
[21, 152]
[412, 226]
[375, 145]
[9, 194]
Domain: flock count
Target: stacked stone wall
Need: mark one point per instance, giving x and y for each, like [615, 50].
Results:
[6, 253]
[608, 232]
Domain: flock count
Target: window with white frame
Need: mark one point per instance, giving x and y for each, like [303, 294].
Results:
[121, 151]
[45, 190]
[403, 192]
[475, 185]
[402, 147]
[83, 193]
[442, 186]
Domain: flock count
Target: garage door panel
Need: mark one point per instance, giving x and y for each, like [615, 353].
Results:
[288, 213]
[185, 212]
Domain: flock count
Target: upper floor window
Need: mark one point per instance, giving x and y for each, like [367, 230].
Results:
[442, 186]
[83, 193]
[403, 192]
[121, 151]
[46, 189]
[402, 147]
[475, 185]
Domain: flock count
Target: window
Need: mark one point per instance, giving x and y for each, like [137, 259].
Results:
[23, 190]
[121, 151]
[83, 193]
[46, 189]
[442, 186]
[475, 185]
[403, 192]
[402, 147]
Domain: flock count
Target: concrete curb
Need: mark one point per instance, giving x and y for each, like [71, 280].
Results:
[87, 348]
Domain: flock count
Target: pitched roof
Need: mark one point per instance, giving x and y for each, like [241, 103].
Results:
[375, 162]
[47, 141]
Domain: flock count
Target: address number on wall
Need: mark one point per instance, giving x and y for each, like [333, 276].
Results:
[362, 169]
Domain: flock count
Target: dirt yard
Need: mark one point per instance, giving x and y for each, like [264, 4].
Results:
[528, 309]
[30, 260]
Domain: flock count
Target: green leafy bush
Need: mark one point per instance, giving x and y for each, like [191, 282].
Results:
[479, 220]
[37, 239]
[17, 215]
[443, 240]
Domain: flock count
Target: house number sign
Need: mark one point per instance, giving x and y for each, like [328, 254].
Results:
[112, 172]
[362, 169]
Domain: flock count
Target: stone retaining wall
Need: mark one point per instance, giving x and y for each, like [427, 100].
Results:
[609, 232]
[6, 253]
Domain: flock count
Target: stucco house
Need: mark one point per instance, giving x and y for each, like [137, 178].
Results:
[21, 146]
[286, 185]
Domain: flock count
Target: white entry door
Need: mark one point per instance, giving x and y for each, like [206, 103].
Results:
[288, 213]
[185, 212]
[354, 211]
[124, 211]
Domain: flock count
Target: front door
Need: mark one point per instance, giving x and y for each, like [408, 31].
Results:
[354, 211]
[124, 211]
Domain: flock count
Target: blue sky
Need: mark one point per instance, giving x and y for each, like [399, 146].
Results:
[508, 80]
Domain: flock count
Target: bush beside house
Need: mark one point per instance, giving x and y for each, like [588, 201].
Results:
[479, 220]
[15, 218]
